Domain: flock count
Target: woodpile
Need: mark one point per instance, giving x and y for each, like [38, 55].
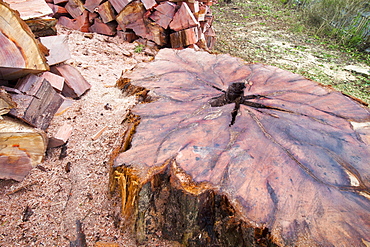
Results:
[34, 83]
[172, 23]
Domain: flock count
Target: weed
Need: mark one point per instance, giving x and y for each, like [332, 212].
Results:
[139, 48]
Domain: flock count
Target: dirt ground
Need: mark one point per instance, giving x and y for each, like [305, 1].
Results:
[58, 196]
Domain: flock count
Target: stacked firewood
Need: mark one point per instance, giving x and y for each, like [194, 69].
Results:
[172, 23]
[34, 86]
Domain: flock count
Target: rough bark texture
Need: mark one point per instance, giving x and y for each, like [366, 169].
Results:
[288, 155]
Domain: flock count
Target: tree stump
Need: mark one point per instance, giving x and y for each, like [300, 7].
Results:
[235, 154]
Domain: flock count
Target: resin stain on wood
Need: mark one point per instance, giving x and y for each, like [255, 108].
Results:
[281, 150]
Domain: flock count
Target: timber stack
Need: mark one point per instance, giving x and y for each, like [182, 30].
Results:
[34, 85]
[173, 23]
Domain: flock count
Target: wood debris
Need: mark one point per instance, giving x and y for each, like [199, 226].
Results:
[30, 99]
[167, 23]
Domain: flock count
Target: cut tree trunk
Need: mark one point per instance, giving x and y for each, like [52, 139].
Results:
[22, 148]
[235, 154]
[20, 52]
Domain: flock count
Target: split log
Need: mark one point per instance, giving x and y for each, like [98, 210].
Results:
[132, 17]
[235, 154]
[22, 148]
[106, 12]
[6, 102]
[58, 48]
[20, 52]
[61, 137]
[119, 5]
[56, 81]
[39, 8]
[183, 19]
[39, 103]
[60, 2]
[128, 36]
[90, 5]
[148, 4]
[185, 37]
[81, 23]
[163, 14]
[194, 6]
[37, 17]
[75, 85]
[58, 11]
[75, 8]
[100, 27]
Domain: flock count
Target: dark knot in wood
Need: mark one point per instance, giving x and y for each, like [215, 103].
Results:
[235, 94]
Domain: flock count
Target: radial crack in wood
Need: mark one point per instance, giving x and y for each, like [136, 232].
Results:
[291, 165]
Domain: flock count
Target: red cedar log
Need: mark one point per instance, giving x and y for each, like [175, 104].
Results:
[20, 52]
[56, 81]
[39, 103]
[133, 17]
[58, 48]
[58, 11]
[22, 148]
[194, 6]
[148, 4]
[61, 137]
[104, 28]
[75, 8]
[183, 19]
[90, 5]
[185, 37]
[60, 1]
[81, 23]
[106, 12]
[119, 5]
[75, 84]
[163, 14]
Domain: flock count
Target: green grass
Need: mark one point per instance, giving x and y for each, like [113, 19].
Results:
[278, 16]
[139, 48]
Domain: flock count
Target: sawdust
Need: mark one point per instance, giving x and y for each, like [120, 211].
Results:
[42, 209]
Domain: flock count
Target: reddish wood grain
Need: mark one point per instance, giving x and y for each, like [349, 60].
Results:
[291, 161]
